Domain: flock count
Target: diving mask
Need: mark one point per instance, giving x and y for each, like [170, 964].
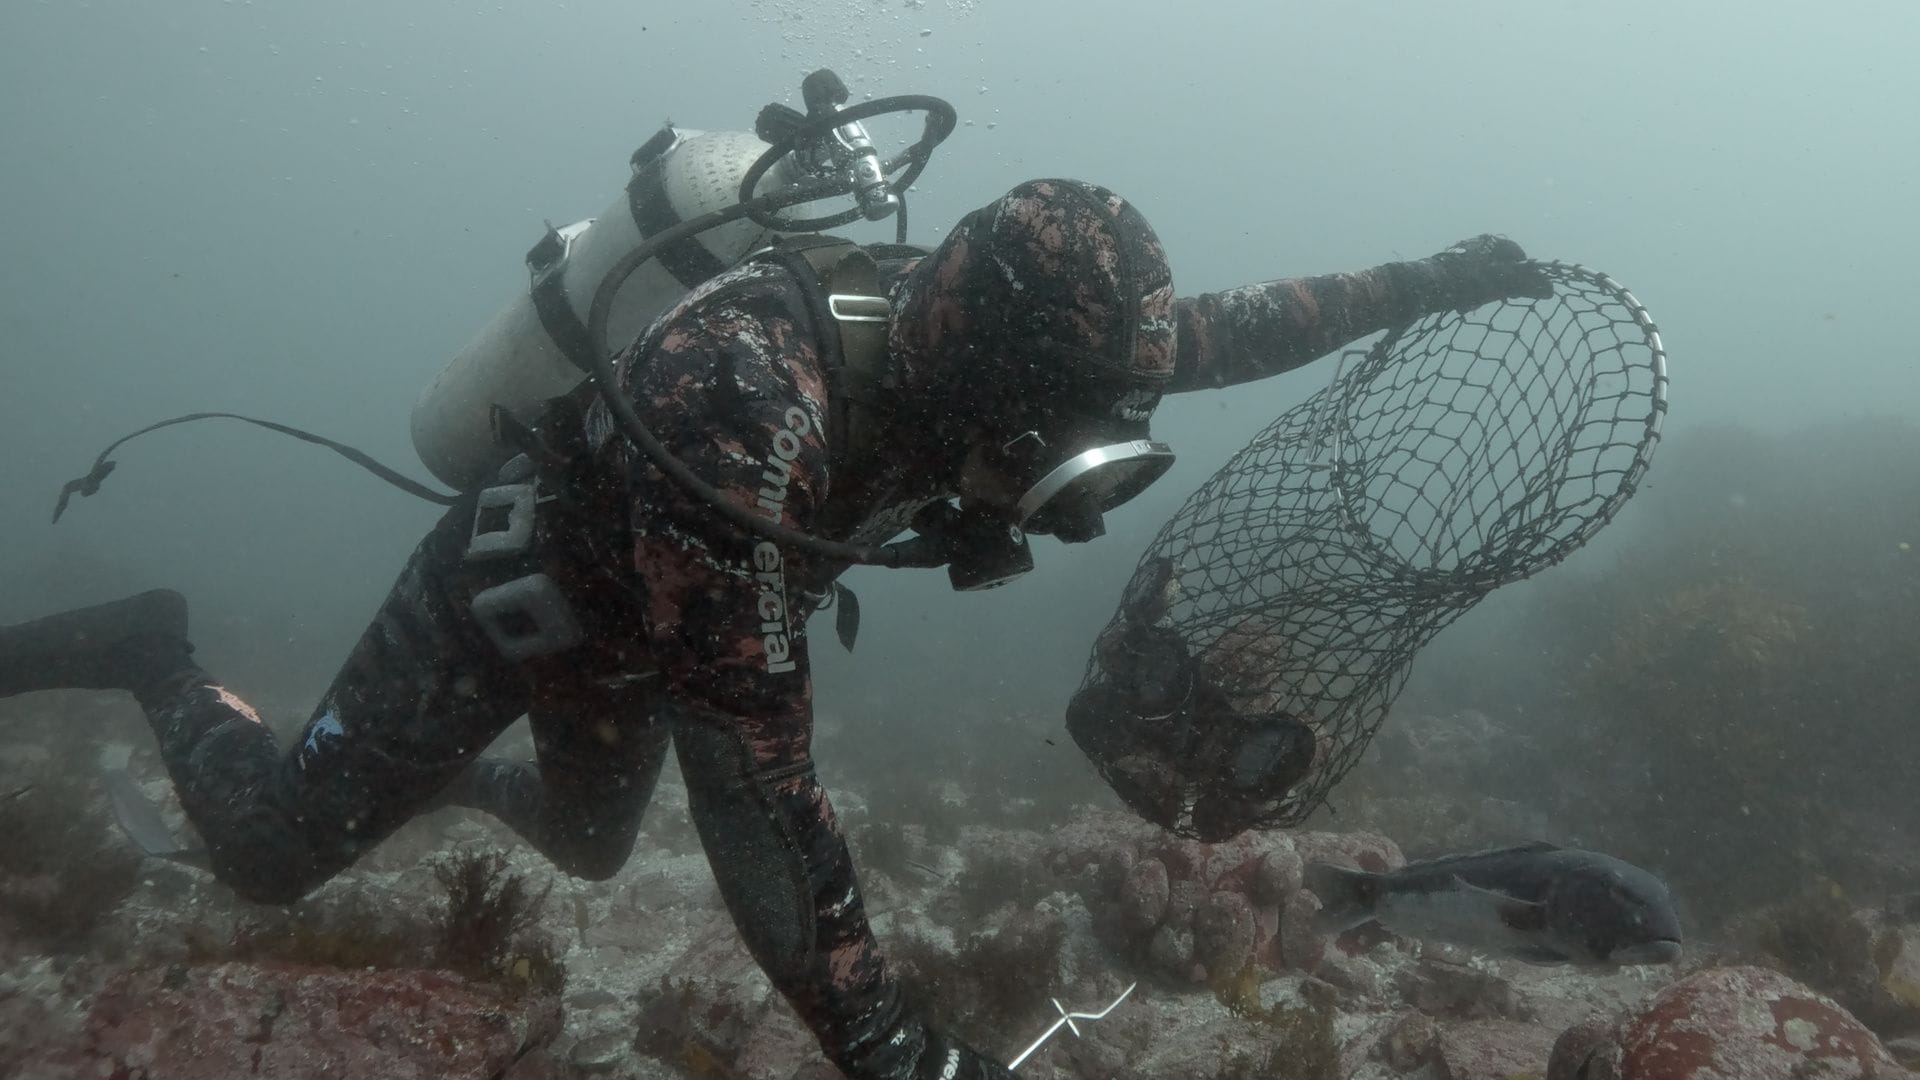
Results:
[1066, 496]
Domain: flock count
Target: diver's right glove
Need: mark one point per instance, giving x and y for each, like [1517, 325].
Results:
[946, 1056]
[1484, 269]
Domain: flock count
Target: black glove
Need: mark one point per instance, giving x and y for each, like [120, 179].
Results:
[909, 1049]
[946, 1056]
[1487, 268]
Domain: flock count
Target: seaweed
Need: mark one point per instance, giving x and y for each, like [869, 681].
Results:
[488, 909]
[1820, 939]
[1739, 682]
[998, 876]
[998, 980]
[1301, 1044]
[884, 846]
[346, 930]
[669, 1031]
[62, 873]
[483, 932]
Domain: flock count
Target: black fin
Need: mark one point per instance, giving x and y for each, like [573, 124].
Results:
[140, 820]
[1515, 913]
[1347, 897]
[846, 616]
[1531, 847]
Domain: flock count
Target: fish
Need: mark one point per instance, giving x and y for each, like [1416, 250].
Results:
[1538, 903]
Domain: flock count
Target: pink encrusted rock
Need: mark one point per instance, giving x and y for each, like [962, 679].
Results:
[1145, 891]
[1301, 946]
[1276, 877]
[225, 1020]
[1358, 850]
[1171, 951]
[1184, 898]
[1144, 896]
[1266, 936]
[1184, 858]
[1090, 844]
[1733, 1023]
[1223, 935]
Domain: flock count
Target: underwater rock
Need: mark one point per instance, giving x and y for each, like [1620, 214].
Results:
[1184, 899]
[1362, 983]
[1170, 950]
[238, 1019]
[1471, 991]
[1192, 911]
[603, 1052]
[713, 1013]
[1730, 1023]
[1301, 946]
[40, 1022]
[1277, 876]
[1356, 850]
[1409, 1042]
[1897, 977]
[1866, 959]
[1088, 843]
[1905, 1050]
[1223, 932]
[1492, 1050]
[1577, 1050]
[1144, 896]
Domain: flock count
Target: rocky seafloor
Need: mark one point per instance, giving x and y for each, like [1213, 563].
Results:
[990, 923]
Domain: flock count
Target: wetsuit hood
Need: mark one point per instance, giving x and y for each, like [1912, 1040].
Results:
[1048, 311]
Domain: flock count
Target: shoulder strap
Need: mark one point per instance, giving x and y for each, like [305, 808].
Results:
[854, 307]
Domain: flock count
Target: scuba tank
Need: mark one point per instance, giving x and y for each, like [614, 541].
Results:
[531, 349]
[697, 203]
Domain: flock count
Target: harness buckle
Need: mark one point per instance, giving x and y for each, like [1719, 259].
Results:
[502, 522]
[855, 308]
[527, 617]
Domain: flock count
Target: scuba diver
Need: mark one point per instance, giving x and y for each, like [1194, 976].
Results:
[1004, 386]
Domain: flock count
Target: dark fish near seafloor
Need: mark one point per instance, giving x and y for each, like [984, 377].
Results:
[1538, 902]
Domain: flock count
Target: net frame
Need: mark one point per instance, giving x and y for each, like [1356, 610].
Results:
[1462, 451]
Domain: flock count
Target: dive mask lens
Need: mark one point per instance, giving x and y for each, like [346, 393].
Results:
[1068, 500]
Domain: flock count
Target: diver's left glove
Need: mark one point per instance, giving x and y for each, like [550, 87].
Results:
[912, 1049]
[1487, 268]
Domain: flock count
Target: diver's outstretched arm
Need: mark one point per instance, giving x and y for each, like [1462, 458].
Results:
[1239, 335]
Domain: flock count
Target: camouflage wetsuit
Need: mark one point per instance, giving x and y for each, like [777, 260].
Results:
[696, 637]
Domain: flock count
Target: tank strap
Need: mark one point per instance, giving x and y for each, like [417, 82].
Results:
[546, 265]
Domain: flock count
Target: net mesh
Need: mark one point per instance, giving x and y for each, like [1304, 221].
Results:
[1459, 453]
